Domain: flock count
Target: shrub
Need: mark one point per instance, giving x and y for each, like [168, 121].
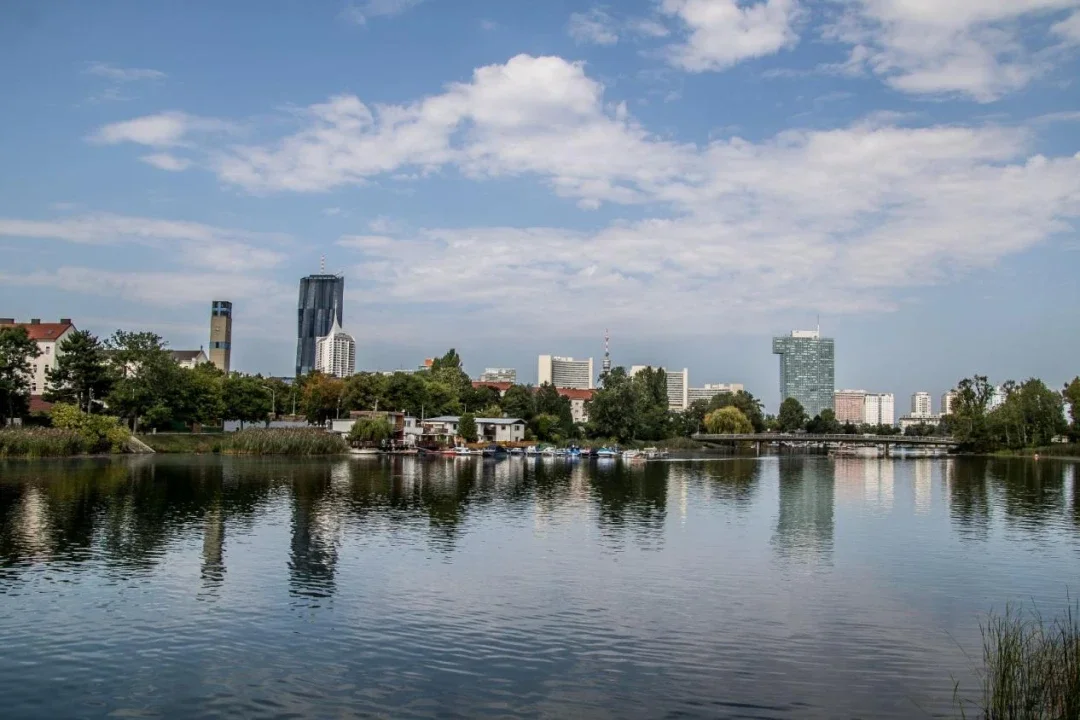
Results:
[102, 433]
[371, 430]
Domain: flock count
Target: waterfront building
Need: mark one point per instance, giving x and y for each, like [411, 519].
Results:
[947, 401]
[335, 353]
[710, 390]
[221, 334]
[565, 372]
[921, 405]
[879, 409]
[499, 375]
[678, 386]
[445, 429]
[188, 359]
[911, 420]
[807, 369]
[48, 337]
[318, 308]
[850, 406]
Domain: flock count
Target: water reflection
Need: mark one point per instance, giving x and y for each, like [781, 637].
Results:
[804, 523]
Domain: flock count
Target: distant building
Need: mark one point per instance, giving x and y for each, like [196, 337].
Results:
[445, 429]
[708, 391]
[678, 386]
[879, 409]
[997, 399]
[921, 405]
[807, 369]
[221, 334]
[907, 421]
[947, 401]
[48, 337]
[188, 359]
[850, 406]
[335, 353]
[499, 375]
[565, 372]
[317, 309]
[579, 399]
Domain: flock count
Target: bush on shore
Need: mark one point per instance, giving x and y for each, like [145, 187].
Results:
[102, 433]
[284, 441]
[42, 442]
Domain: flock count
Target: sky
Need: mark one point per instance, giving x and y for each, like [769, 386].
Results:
[514, 178]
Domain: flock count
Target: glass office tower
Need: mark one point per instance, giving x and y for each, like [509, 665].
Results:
[807, 369]
[320, 303]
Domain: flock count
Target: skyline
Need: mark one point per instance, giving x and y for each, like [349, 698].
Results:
[922, 198]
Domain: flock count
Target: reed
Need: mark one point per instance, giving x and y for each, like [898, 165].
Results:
[1031, 667]
[41, 442]
[284, 441]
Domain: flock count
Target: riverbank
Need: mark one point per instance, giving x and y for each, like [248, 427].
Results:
[53, 443]
[1064, 450]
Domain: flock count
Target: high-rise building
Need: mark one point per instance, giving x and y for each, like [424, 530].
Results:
[318, 308]
[850, 406]
[499, 375]
[921, 405]
[997, 398]
[807, 369]
[678, 386]
[335, 352]
[879, 409]
[947, 401]
[565, 372]
[710, 390]
[221, 334]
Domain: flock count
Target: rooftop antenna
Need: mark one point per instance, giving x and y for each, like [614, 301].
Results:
[607, 352]
[819, 324]
[322, 264]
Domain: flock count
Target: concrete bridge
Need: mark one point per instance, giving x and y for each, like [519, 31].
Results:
[887, 441]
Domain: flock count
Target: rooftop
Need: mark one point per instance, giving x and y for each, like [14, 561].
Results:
[38, 330]
[186, 355]
[479, 421]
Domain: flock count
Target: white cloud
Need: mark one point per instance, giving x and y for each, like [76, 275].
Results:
[1068, 28]
[166, 129]
[973, 48]
[165, 161]
[359, 14]
[726, 32]
[593, 27]
[120, 74]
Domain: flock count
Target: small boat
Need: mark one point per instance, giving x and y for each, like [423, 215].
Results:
[532, 450]
[494, 450]
[574, 453]
[462, 451]
[549, 451]
[365, 451]
[517, 451]
[448, 451]
[652, 453]
[606, 454]
[633, 455]
[587, 452]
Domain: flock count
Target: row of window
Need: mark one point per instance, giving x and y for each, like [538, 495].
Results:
[220, 345]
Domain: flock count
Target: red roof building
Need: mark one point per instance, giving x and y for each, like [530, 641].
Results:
[47, 336]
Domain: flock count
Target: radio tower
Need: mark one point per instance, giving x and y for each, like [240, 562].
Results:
[607, 353]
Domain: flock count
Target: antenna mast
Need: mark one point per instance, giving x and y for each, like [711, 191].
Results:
[322, 265]
[607, 352]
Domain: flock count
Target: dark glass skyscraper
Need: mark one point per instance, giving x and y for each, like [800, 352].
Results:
[321, 300]
[807, 369]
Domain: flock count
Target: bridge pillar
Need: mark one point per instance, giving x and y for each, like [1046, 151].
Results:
[888, 449]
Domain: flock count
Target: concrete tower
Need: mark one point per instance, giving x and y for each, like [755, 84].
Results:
[221, 334]
[606, 368]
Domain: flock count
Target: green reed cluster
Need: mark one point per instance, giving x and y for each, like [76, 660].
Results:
[289, 441]
[42, 442]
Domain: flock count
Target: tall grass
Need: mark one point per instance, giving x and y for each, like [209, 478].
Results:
[1031, 667]
[284, 441]
[41, 442]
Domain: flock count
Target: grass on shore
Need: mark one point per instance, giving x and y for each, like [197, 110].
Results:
[1031, 668]
[41, 442]
[1066, 450]
[284, 441]
[185, 443]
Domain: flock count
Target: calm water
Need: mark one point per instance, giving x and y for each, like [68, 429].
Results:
[771, 588]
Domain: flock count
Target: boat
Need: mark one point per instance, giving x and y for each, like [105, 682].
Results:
[365, 451]
[462, 451]
[574, 453]
[652, 453]
[532, 450]
[863, 451]
[607, 454]
[633, 455]
[548, 451]
[517, 451]
[448, 451]
[587, 452]
[494, 450]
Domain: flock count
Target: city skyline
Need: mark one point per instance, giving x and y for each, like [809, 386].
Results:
[924, 204]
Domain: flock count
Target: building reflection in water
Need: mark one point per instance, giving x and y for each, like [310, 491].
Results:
[804, 523]
[315, 524]
[924, 472]
[878, 479]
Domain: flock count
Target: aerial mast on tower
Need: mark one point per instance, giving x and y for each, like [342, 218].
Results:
[607, 354]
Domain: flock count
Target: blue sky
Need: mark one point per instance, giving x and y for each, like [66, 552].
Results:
[512, 177]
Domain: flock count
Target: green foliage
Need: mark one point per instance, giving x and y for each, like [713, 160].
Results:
[728, 419]
[302, 441]
[690, 421]
[651, 400]
[1071, 394]
[613, 409]
[101, 433]
[366, 391]
[82, 374]
[750, 407]
[322, 398]
[467, 428]
[549, 402]
[969, 410]
[246, 399]
[41, 442]
[792, 417]
[371, 430]
[518, 402]
[920, 430]
[824, 423]
[148, 384]
[16, 352]
[448, 370]
[1031, 416]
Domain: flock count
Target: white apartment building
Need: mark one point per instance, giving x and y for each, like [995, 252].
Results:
[48, 337]
[678, 386]
[335, 354]
[850, 406]
[709, 391]
[565, 372]
[921, 405]
[188, 359]
[499, 375]
[998, 398]
[879, 409]
[947, 401]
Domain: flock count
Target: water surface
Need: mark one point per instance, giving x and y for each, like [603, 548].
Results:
[790, 587]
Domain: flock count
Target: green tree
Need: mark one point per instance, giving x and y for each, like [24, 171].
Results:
[247, 399]
[322, 398]
[474, 398]
[281, 396]
[825, 423]
[467, 428]
[692, 420]
[792, 417]
[103, 433]
[920, 430]
[969, 414]
[652, 421]
[518, 402]
[16, 352]
[550, 402]
[1031, 416]
[728, 420]
[612, 410]
[146, 380]
[367, 391]
[202, 396]
[1071, 393]
[449, 370]
[82, 374]
[749, 406]
[547, 428]
[371, 430]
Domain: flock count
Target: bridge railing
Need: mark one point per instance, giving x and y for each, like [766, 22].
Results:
[812, 438]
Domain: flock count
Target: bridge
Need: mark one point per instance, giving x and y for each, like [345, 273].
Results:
[887, 441]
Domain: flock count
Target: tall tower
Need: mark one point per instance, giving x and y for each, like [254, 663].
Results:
[221, 334]
[606, 367]
[319, 305]
[807, 369]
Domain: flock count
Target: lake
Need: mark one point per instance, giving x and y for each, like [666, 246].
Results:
[773, 587]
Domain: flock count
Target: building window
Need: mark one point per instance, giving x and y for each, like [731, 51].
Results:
[33, 388]
[48, 349]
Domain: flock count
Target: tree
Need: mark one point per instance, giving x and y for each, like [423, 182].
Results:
[281, 395]
[367, 391]
[792, 417]
[81, 375]
[467, 428]
[16, 352]
[728, 420]
[969, 411]
[550, 402]
[651, 404]
[1071, 394]
[612, 410]
[518, 402]
[371, 430]
[478, 397]
[202, 397]
[247, 399]
[146, 380]
[322, 397]
[1031, 416]
[103, 433]
[920, 430]
[691, 420]
[749, 406]
[448, 369]
[825, 423]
